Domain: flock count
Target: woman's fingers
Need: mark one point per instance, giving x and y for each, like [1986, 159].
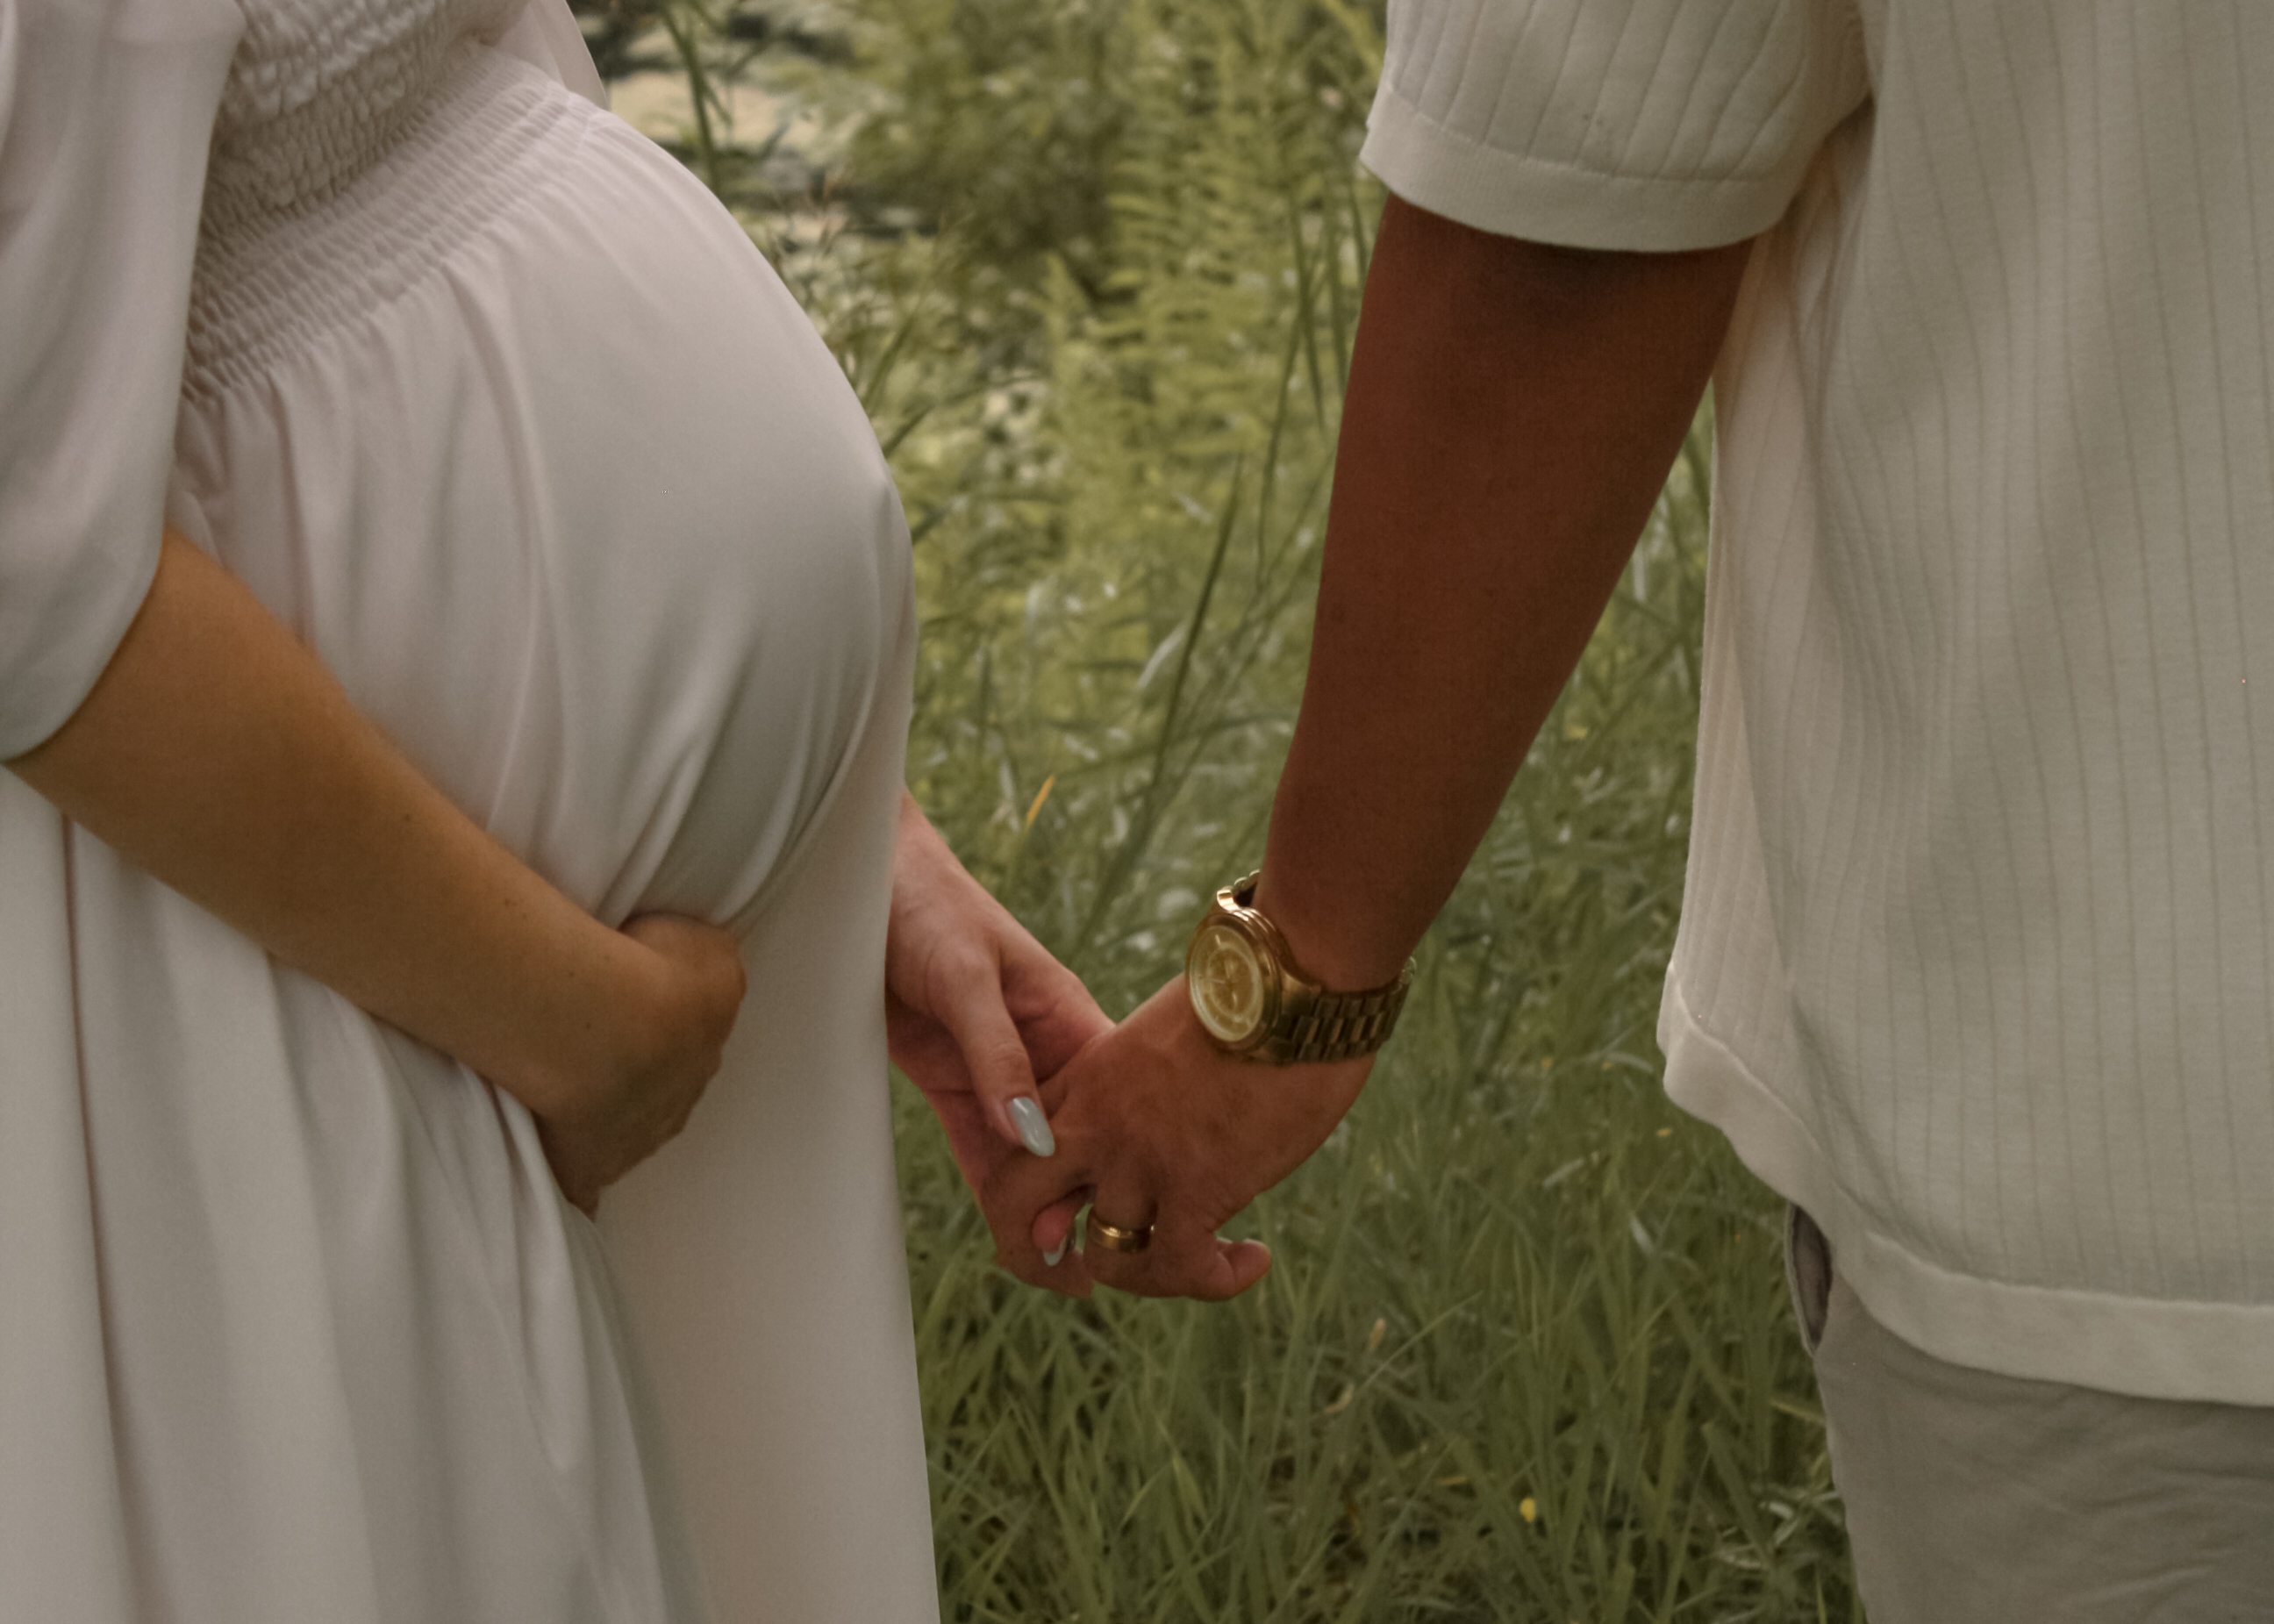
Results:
[681, 1011]
[1029, 1204]
[1053, 1228]
[1057, 1017]
[969, 1001]
[945, 958]
[570, 1159]
[1179, 1261]
[701, 981]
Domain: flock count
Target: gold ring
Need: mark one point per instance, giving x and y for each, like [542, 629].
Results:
[1113, 1237]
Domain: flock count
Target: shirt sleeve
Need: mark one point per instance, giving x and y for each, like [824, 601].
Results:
[106, 112]
[1644, 124]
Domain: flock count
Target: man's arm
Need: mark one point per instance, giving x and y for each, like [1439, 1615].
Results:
[1513, 410]
[216, 753]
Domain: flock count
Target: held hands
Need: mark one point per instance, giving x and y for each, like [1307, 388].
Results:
[1158, 1126]
[1148, 1120]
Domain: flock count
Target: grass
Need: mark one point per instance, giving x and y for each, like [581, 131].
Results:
[1524, 1353]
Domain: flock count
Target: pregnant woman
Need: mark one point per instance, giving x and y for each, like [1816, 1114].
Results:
[454, 637]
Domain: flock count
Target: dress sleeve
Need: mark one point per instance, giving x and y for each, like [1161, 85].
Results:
[1644, 124]
[106, 112]
[546, 35]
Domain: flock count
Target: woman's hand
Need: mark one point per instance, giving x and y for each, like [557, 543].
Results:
[683, 985]
[979, 1016]
[217, 753]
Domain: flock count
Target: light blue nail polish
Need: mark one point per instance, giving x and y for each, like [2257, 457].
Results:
[1051, 1257]
[1034, 1127]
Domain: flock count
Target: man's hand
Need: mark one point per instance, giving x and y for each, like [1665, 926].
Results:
[1162, 1127]
[979, 1016]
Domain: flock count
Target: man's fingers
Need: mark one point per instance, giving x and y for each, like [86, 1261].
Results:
[1243, 1264]
[706, 960]
[1182, 1257]
[1188, 1264]
[1122, 1206]
[1030, 1206]
[1210, 1269]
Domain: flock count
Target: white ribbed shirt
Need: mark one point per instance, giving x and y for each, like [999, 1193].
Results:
[1976, 954]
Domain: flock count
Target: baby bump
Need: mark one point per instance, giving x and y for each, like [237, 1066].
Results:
[570, 496]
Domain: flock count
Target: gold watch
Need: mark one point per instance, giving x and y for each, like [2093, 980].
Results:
[1254, 1000]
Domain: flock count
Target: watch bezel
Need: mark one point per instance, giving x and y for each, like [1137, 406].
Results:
[1259, 937]
[1298, 1021]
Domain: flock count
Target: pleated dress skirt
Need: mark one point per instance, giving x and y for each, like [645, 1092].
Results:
[526, 440]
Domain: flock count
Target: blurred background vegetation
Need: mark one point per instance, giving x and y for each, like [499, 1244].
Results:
[1094, 267]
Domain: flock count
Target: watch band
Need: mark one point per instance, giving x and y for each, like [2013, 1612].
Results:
[1325, 1026]
[1341, 1025]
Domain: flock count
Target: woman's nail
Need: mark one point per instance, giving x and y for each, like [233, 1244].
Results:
[1051, 1257]
[1034, 1127]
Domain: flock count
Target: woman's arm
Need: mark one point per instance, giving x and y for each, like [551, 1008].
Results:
[216, 753]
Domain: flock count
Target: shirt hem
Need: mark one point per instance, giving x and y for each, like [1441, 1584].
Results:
[1517, 194]
[2147, 1348]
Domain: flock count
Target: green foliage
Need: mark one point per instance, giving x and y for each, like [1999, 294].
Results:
[1524, 1353]
[1003, 117]
[1123, 616]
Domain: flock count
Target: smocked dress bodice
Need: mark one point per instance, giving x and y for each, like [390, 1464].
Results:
[320, 89]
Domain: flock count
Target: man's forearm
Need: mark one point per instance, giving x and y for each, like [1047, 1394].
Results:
[1513, 410]
[216, 753]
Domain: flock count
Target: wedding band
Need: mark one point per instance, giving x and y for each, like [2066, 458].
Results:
[1113, 1237]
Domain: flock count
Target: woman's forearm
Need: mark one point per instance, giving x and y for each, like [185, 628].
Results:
[217, 753]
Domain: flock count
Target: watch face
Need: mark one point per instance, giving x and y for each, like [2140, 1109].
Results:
[1229, 988]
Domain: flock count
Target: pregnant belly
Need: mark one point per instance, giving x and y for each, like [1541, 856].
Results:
[564, 488]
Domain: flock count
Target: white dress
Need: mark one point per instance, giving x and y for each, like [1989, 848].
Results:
[494, 406]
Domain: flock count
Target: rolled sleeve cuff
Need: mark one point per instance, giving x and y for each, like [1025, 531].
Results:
[1514, 194]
